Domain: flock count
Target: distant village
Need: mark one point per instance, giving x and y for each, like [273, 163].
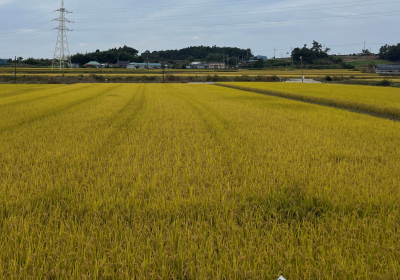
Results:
[192, 65]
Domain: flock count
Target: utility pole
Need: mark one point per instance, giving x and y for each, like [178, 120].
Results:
[302, 73]
[15, 71]
[61, 52]
[163, 69]
[291, 54]
[237, 63]
[365, 53]
[286, 60]
[274, 53]
[148, 63]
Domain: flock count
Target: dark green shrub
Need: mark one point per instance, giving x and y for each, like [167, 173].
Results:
[275, 78]
[170, 78]
[384, 83]
[346, 65]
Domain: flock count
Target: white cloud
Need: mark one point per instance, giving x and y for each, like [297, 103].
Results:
[275, 24]
[3, 2]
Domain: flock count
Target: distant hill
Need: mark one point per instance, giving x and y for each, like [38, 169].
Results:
[199, 53]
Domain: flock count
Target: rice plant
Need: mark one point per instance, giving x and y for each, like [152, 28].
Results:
[116, 181]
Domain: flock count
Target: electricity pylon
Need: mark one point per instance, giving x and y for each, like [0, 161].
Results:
[61, 53]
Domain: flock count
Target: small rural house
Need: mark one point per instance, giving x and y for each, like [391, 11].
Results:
[94, 63]
[122, 64]
[197, 66]
[135, 65]
[3, 61]
[216, 65]
[389, 69]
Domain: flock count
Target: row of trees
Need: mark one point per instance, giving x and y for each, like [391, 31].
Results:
[38, 62]
[111, 56]
[316, 56]
[200, 53]
[391, 53]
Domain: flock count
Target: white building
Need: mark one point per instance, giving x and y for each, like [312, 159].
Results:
[135, 65]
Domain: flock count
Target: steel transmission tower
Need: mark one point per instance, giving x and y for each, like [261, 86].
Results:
[62, 58]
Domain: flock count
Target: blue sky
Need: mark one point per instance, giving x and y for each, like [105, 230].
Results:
[26, 27]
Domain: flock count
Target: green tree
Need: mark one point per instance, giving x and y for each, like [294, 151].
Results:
[310, 54]
[125, 56]
[391, 53]
[366, 52]
[258, 64]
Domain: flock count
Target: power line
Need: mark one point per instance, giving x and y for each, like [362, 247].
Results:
[25, 29]
[208, 15]
[25, 54]
[252, 24]
[23, 23]
[335, 46]
[40, 38]
[229, 14]
[40, 7]
[178, 7]
[27, 36]
[222, 25]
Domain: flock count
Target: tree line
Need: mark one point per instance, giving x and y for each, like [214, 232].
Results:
[391, 53]
[201, 53]
[110, 56]
[198, 53]
[315, 55]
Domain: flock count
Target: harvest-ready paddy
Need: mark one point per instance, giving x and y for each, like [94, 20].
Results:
[172, 181]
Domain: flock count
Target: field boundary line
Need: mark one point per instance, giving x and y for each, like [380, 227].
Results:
[361, 108]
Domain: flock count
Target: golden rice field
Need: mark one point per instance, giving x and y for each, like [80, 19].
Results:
[376, 100]
[172, 181]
